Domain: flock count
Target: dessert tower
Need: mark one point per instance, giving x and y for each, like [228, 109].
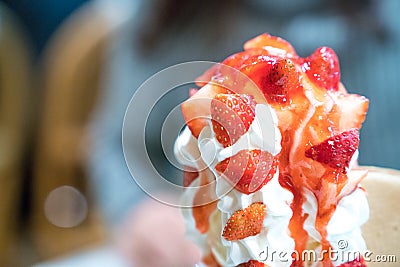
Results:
[270, 154]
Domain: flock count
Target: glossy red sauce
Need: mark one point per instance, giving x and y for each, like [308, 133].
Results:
[313, 110]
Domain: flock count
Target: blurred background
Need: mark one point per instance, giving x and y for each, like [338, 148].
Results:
[68, 69]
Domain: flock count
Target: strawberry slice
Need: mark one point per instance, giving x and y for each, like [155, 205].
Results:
[228, 70]
[241, 59]
[349, 111]
[244, 223]
[336, 151]
[281, 79]
[273, 44]
[252, 263]
[358, 262]
[248, 170]
[322, 67]
[232, 115]
[275, 77]
[196, 109]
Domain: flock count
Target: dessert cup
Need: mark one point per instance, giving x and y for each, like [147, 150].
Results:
[382, 231]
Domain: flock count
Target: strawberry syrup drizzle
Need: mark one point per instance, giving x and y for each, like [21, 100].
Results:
[327, 201]
[206, 194]
[297, 221]
[327, 194]
[324, 183]
[303, 121]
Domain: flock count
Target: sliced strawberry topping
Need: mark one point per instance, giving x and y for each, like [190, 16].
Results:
[349, 111]
[244, 58]
[280, 80]
[277, 78]
[271, 44]
[358, 262]
[318, 120]
[196, 109]
[232, 115]
[244, 223]
[252, 263]
[322, 67]
[228, 72]
[248, 170]
[336, 151]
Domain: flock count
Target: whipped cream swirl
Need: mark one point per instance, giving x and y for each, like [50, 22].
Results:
[344, 227]
[207, 152]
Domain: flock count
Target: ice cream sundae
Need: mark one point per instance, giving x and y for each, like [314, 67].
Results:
[270, 154]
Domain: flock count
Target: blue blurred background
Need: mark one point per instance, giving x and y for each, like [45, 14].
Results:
[41, 18]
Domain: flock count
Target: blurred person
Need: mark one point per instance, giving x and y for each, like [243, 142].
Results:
[156, 34]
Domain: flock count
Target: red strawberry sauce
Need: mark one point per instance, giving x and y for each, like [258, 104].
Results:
[313, 109]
